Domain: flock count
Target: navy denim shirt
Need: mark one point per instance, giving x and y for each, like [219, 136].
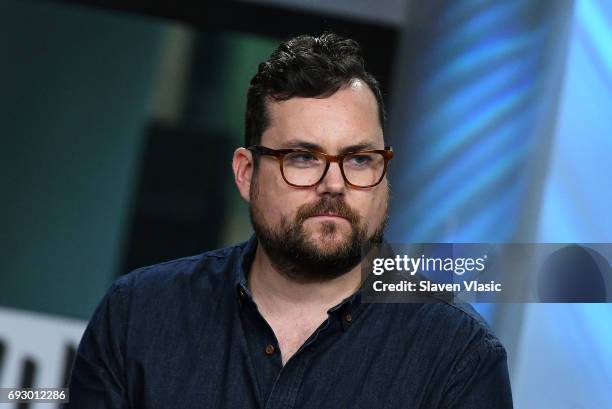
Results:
[187, 334]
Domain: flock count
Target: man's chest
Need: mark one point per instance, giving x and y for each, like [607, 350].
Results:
[226, 366]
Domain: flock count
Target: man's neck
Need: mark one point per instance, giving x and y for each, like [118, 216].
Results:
[294, 309]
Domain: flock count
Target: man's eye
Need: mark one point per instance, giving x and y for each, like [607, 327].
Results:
[360, 160]
[304, 158]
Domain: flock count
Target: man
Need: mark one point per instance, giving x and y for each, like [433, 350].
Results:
[277, 322]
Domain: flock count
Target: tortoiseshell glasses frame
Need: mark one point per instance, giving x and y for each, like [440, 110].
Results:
[367, 169]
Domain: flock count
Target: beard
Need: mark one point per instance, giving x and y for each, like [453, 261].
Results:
[294, 253]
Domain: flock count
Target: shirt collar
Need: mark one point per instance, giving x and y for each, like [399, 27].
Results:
[244, 265]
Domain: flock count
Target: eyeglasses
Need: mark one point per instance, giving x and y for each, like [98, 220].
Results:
[305, 168]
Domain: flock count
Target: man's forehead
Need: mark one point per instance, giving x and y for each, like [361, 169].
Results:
[348, 117]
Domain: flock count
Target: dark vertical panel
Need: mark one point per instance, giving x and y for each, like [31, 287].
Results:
[69, 356]
[28, 373]
[179, 207]
[2, 355]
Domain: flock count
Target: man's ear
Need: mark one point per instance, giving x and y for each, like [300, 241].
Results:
[243, 166]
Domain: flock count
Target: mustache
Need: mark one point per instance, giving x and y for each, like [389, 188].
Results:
[336, 206]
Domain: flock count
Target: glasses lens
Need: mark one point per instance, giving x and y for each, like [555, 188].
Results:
[364, 169]
[303, 168]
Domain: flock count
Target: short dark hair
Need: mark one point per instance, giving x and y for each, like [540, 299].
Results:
[305, 66]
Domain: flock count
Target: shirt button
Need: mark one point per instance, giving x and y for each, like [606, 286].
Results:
[348, 317]
[269, 349]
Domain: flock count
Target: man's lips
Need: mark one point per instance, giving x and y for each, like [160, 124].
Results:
[330, 215]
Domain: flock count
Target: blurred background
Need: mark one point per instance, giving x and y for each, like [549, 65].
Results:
[118, 121]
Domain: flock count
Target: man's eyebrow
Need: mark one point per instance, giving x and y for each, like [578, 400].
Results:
[363, 146]
[298, 144]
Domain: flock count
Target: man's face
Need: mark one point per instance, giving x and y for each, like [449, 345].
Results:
[316, 233]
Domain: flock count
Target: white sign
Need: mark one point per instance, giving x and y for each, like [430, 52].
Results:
[44, 344]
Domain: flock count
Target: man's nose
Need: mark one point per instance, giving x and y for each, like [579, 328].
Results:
[333, 182]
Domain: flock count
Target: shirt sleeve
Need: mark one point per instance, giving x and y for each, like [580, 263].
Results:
[480, 379]
[98, 375]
